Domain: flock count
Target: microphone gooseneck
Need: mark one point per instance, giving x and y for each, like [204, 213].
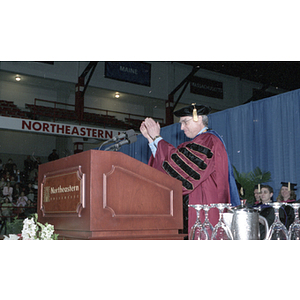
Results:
[125, 134]
[126, 137]
[131, 138]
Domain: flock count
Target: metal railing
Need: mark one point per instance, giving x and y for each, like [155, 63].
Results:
[109, 113]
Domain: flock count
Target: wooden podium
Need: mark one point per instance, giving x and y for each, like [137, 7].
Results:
[109, 195]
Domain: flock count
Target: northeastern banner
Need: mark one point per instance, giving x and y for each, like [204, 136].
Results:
[206, 87]
[56, 128]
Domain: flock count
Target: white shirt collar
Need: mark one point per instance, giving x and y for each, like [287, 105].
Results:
[202, 130]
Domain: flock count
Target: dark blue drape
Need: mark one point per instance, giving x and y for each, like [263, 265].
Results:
[262, 134]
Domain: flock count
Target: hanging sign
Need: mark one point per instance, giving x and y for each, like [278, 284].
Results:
[133, 72]
[206, 87]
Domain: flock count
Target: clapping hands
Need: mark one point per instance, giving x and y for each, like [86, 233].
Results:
[150, 129]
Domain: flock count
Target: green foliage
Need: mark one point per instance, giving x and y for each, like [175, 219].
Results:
[249, 180]
[15, 226]
[42, 227]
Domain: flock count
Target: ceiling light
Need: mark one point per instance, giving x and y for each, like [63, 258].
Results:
[18, 77]
[117, 95]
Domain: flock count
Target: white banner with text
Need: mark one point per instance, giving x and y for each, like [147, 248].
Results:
[53, 128]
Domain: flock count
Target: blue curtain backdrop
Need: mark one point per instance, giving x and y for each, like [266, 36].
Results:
[262, 134]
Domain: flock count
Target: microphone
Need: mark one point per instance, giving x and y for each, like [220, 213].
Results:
[131, 138]
[118, 137]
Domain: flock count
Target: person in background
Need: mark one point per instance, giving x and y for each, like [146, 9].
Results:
[53, 156]
[257, 194]
[6, 208]
[8, 191]
[9, 167]
[266, 194]
[30, 208]
[22, 200]
[1, 167]
[266, 210]
[2, 183]
[12, 181]
[36, 163]
[242, 193]
[28, 165]
[201, 164]
[287, 194]
[20, 177]
[30, 193]
[7, 176]
[32, 177]
[17, 191]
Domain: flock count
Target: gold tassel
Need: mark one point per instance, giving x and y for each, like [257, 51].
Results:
[289, 186]
[195, 115]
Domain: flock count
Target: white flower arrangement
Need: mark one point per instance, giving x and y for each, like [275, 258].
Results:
[34, 230]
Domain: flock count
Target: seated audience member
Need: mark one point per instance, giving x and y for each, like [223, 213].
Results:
[9, 166]
[6, 208]
[1, 166]
[28, 165]
[266, 194]
[33, 175]
[30, 193]
[20, 177]
[240, 190]
[287, 192]
[15, 169]
[266, 210]
[287, 195]
[17, 191]
[257, 194]
[30, 208]
[7, 176]
[2, 183]
[8, 191]
[22, 200]
[12, 181]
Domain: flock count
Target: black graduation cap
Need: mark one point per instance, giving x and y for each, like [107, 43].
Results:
[193, 110]
[289, 185]
[258, 187]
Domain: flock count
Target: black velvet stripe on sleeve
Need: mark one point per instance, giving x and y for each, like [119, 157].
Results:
[188, 185]
[185, 167]
[193, 158]
[199, 148]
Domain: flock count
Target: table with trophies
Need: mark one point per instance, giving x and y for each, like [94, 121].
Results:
[242, 223]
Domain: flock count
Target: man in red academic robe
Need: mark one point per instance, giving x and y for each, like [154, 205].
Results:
[200, 164]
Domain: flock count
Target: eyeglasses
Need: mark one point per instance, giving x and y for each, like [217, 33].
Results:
[185, 121]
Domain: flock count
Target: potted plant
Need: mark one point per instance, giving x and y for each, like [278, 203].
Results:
[249, 180]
